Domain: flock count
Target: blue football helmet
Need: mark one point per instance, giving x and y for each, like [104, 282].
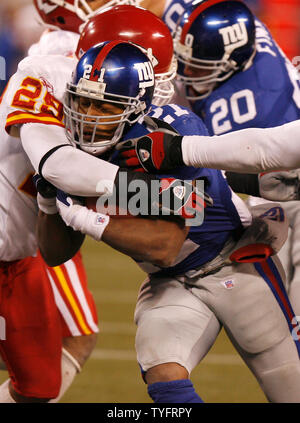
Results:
[213, 40]
[112, 86]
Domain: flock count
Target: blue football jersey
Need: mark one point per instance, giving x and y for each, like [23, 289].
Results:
[205, 241]
[173, 11]
[267, 94]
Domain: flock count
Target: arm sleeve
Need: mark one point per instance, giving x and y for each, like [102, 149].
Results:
[243, 183]
[67, 168]
[249, 150]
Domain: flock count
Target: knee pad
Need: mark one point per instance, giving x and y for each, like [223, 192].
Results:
[154, 345]
[174, 334]
[175, 391]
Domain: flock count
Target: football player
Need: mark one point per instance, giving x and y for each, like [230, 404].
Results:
[183, 304]
[225, 67]
[60, 304]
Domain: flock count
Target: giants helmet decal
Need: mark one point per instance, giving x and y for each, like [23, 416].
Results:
[69, 15]
[117, 74]
[214, 38]
[140, 27]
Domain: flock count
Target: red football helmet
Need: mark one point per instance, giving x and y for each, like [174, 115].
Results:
[69, 15]
[141, 27]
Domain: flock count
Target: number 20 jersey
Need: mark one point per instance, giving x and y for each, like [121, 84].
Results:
[267, 94]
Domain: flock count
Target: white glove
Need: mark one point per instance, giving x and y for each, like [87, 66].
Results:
[280, 186]
[79, 217]
[47, 205]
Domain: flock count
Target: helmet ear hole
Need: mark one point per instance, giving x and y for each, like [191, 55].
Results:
[61, 20]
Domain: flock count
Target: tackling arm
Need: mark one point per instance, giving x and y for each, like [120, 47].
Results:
[66, 167]
[249, 150]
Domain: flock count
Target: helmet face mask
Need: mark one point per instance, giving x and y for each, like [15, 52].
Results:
[96, 133]
[212, 41]
[164, 88]
[204, 74]
[102, 99]
[143, 28]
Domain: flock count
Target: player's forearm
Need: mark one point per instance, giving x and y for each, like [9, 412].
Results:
[79, 173]
[66, 167]
[249, 150]
[155, 241]
[57, 242]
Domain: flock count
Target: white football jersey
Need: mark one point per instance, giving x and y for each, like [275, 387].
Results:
[55, 42]
[33, 94]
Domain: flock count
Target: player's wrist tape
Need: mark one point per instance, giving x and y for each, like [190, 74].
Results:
[84, 220]
[47, 205]
[94, 223]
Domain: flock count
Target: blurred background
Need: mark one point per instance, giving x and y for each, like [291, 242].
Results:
[112, 375]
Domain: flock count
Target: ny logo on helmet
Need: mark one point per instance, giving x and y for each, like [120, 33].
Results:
[46, 7]
[145, 74]
[234, 36]
[2, 68]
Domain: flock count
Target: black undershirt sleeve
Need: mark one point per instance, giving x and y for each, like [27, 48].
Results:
[243, 183]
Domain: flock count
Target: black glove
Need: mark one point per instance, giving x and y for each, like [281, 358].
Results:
[157, 151]
[46, 196]
[43, 187]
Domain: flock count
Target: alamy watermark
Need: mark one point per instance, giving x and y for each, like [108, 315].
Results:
[161, 197]
[2, 329]
[2, 68]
